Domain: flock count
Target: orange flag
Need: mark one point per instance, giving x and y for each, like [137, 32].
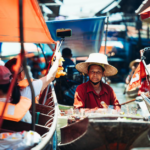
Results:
[137, 76]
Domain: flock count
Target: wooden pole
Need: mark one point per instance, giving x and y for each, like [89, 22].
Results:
[106, 34]
[128, 102]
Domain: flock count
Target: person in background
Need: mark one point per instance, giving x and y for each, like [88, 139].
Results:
[39, 84]
[133, 65]
[18, 106]
[95, 93]
[67, 54]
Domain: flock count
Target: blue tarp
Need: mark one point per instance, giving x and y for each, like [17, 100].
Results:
[86, 34]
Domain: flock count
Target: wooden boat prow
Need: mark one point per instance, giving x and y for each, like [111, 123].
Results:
[76, 130]
[105, 134]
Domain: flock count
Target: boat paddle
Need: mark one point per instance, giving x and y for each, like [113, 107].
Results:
[128, 102]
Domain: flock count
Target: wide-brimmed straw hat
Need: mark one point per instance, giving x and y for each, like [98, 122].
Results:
[133, 62]
[97, 59]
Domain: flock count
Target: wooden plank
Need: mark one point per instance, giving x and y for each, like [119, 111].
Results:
[73, 131]
[43, 109]
[20, 126]
[43, 119]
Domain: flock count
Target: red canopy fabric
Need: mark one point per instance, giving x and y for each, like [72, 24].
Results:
[35, 28]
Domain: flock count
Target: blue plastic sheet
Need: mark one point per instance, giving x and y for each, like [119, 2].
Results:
[86, 34]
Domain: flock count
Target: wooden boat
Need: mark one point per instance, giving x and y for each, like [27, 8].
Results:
[132, 93]
[32, 29]
[46, 117]
[105, 133]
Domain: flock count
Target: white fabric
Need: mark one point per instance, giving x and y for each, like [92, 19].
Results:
[2, 63]
[37, 85]
[19, 140]
[26, 92]
[27, 117]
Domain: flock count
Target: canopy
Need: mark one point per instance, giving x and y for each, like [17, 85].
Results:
[144, 5]
[35, 29]
[86, 34]
[144, 11]
[145, 15]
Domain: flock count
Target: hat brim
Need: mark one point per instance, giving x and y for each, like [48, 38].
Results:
[109, 70]
[133, 62]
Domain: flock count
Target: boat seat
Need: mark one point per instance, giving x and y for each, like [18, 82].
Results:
[5, 130]
[50, 102]
[20, 126]
[43, 109]
[43, 119]
[43, 95]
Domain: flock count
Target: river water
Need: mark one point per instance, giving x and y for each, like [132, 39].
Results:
[119, 89]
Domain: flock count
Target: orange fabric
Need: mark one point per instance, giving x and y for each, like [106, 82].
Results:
[137, 76]
[86, 97]
[15, 112]
[23, 84]
[43, 71]
[35, 28]
[108, 49]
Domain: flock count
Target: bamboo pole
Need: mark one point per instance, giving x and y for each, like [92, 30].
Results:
[128, 102]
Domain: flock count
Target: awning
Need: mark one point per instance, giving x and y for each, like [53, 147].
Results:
[86, 34]
[145, 15]
[144, 5]
[144, 11]
[35, 29]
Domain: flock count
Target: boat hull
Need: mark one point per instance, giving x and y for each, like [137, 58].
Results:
[107, 135]
[133, 93]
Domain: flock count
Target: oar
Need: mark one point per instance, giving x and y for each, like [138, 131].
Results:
[128, 102]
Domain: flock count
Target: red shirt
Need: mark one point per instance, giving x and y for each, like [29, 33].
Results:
[86, 97]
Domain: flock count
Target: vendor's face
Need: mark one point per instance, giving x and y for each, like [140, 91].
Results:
[95, 73]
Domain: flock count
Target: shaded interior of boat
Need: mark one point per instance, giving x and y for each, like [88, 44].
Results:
[105, 133]
[44, 117]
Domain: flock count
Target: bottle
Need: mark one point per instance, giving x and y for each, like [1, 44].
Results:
[104, 104]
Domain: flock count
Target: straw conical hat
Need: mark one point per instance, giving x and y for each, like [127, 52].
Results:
[133, 62]
[97, 59]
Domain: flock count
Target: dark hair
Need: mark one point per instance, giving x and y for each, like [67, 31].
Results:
[12, 62]
[66, 52]
[97, 65]
[15, 93]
